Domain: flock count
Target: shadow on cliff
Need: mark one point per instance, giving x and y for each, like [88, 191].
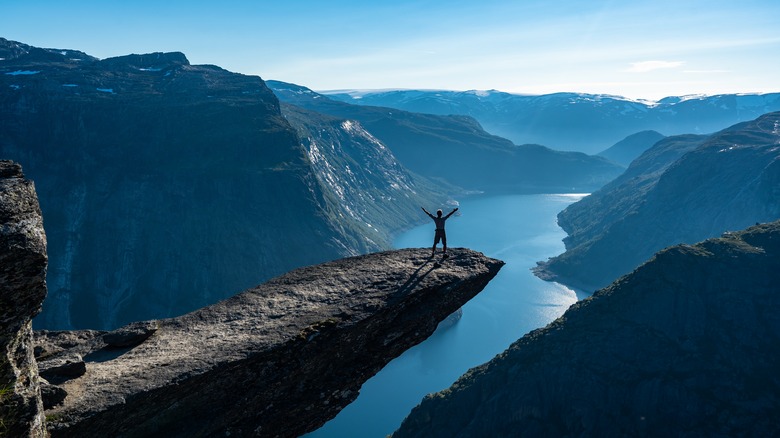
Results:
[106, 354]
[416, 277]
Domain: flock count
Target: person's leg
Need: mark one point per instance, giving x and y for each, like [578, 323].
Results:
[435, 242]
[444, 242]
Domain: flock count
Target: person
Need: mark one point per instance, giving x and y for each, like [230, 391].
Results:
[440, 234]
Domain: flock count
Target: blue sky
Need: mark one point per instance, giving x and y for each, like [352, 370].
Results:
[638, 49]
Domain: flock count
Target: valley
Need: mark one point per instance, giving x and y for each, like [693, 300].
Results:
[239, 223]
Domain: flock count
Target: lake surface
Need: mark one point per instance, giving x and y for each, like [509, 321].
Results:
[518, 229]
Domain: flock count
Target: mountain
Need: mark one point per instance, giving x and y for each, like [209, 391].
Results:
[682, 190]
[686, 345]
[366, 182]
[458, 150]
[626, 150]
[573, 121]
[166, 186]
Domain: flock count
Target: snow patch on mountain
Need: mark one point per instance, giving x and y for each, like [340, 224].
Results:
[23, 72]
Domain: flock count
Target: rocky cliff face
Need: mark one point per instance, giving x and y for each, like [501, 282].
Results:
[168, 186]
[276, 360]
[22, 290]
[457, 149]
[686, 345]
[366, 186]
[684, 189]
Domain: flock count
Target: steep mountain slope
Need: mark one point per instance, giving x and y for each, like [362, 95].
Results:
[682, 190]
[365, 182]
[626, 150]
[571, 121]
[457, 149]
[686, 345]
[166, 186]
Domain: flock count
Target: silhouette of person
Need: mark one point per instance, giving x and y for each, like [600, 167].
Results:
[440, 234]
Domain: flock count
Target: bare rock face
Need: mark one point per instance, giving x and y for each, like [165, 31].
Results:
[277, 360]
[22, 290]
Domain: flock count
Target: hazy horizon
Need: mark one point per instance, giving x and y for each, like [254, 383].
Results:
[640, 50]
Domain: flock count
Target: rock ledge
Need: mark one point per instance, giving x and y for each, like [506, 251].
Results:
[297, 347]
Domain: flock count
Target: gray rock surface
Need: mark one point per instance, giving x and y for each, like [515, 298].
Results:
[62, 367]
[52, 395]
[22, 290]
[131, 334]
[276, 360]
[686, 345]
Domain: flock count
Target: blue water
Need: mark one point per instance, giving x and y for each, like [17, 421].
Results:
[518, 229]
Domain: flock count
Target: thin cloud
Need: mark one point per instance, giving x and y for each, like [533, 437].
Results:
[645, 66]
[706, 71]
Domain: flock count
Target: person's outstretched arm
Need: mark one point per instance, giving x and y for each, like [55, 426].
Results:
[450, 214]
[426, 212]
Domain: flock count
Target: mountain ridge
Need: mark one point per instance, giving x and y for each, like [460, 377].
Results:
[578, 121]
[627, 150]
[457, 149]
[682, 190]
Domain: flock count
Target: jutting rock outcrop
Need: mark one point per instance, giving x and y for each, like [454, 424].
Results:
[22, 290]
[276, 360]
[685, 345]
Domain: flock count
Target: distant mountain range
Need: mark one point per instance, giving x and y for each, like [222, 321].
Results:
[682, 190]
[166, 186]
[571, 121]
[457, 149]
[685, 345]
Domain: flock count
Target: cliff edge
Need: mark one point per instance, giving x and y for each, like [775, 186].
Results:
[277, 360]
[685, 345]
[22, 290]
